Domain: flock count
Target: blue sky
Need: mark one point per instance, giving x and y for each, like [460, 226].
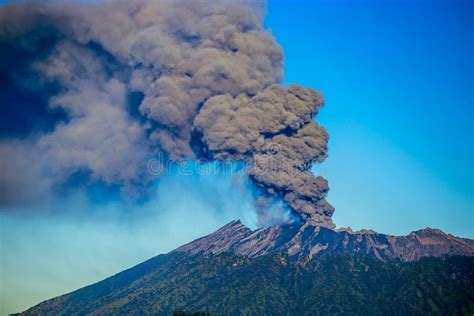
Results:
[398, 81]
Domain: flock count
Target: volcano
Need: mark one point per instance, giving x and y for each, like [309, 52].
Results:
[296, 269]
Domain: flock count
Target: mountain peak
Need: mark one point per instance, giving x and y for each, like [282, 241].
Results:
[219, 241]
[302, 242]
[233, 223]
[430, 231]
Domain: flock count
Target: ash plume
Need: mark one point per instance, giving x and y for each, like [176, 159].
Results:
[121, 81]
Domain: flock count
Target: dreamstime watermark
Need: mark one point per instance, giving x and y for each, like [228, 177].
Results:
[268, 161]
[159, 165]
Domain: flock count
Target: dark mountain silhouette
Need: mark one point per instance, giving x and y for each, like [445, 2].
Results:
[295, 269]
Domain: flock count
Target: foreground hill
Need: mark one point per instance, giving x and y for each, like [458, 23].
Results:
[289, 270]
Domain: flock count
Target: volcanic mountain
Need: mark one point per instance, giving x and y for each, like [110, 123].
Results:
[296, 269]
[305, 242]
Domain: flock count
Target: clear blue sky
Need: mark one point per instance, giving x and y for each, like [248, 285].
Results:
[398, 81]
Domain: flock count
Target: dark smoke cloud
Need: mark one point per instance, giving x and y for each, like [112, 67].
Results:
[205, 74]
[275, 133]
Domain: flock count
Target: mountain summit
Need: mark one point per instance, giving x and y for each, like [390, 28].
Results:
[306, 241]
[297, 269]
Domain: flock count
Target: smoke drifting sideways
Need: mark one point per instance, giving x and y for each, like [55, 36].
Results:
[92, 91]
[95, 240]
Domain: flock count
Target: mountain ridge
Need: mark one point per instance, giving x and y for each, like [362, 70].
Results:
[305, 241]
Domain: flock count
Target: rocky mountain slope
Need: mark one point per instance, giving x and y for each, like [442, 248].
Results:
[289, 270]
[304, 242]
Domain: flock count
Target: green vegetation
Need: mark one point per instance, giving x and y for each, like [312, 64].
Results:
[232, 285]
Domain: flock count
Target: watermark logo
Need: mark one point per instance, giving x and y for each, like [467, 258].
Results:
[268, 161]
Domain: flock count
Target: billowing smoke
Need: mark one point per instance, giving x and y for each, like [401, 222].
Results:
[119, 82]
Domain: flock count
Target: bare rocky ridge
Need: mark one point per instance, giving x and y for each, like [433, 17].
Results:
[302, 242]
